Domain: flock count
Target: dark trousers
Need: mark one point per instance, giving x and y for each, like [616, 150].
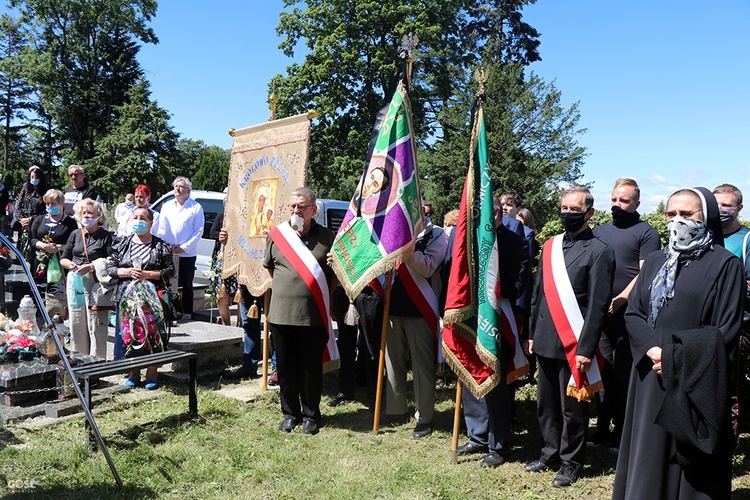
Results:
[347, 344]
[488, 419]
[299, 356]
[185, 280]
[618, 360]
[370, 308]
[562, 419]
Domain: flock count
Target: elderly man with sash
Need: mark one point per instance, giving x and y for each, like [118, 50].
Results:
[413, 328]
[569, 305]
[298, 315]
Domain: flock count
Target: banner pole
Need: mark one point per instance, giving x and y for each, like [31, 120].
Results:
[266, 303]
[456, 422]
[381, 361]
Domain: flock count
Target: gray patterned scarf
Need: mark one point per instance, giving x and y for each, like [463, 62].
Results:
[688, 240]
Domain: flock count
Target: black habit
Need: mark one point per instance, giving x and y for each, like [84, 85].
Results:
[708, 291]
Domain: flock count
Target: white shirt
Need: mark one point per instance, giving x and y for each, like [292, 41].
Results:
[182, 225]
[123, 213]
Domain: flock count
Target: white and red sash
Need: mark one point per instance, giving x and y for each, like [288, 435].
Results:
[423, 296]
[567, 317]
[304, 262]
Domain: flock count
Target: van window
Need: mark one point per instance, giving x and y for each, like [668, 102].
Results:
[211, 209]
[335, 216]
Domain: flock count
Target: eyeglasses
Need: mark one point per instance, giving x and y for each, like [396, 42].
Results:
[682, 213]
[299, 207]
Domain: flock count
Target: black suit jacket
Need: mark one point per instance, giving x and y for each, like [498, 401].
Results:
[591, 265]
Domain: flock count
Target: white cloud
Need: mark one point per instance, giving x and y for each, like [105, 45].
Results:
[656, 179]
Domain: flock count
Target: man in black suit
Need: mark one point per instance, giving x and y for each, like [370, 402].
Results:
[589, 266]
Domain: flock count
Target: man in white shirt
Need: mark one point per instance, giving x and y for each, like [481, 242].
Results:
[181, 225]
[123, 212]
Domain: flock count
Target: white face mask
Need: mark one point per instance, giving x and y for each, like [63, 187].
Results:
[86, 222]
[448, 231]
[296, 221]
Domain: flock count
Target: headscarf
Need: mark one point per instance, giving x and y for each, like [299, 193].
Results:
[703, 235]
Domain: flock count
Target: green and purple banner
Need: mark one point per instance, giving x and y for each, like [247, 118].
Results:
[385, 213]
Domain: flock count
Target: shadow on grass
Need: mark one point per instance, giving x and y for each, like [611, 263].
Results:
[151, 433]
[104, 490]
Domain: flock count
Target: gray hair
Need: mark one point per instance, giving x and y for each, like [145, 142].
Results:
[580, 189]
[185, 180]
[78, 167]
[305, 193]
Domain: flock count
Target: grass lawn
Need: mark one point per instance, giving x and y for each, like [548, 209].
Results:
[234, 450]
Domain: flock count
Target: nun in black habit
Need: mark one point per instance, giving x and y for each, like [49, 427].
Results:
[683, 320]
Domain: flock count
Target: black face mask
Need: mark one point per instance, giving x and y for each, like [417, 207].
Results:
[572, 221]
[623, 218]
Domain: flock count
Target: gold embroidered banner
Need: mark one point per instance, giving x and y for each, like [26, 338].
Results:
[269, 161]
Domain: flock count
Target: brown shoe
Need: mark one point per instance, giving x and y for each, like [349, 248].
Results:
[273, 380]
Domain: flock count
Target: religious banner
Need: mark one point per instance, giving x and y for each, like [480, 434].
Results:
[474, 319]
[269, 161]
[385, 213]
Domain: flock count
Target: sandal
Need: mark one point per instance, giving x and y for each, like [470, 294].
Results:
[151, 384]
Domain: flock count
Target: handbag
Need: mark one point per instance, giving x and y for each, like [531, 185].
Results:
[102, 298]
[54, 270]
[172, 303]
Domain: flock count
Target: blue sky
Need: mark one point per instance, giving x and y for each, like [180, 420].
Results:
[662, 85]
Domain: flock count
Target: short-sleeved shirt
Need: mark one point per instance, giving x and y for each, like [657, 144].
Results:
[292, 303]
[631, 244]
[733, 242]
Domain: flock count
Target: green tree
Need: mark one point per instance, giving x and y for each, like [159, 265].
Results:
[213, 173]
[138, 150]
[532, 142]
[15, 91]
[84, 62]
[352, 47]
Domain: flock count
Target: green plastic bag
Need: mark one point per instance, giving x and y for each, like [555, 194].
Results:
[78, 291]
[54, 269]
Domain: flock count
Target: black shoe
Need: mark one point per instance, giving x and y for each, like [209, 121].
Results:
[340, 398]
[471, 448]
[243, 372]
[310, 427]
[288, 425]
[422, 430]
[568, 475]
[539, 465]
[493, 460]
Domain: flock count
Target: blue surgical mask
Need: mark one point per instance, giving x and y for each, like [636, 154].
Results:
[139, 227]
[54, 210]
[34, 182]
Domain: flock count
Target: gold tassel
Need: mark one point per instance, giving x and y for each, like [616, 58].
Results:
[223, 290]
[237, 297]
[252, 313]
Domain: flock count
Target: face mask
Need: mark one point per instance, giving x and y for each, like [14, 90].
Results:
[448, 230]
[685, 234]
[624, 218]
[572, 221]
[727, 216]
[53, 210]
[34, 182]
[128, 203]
[296, 222]
[139, 227]
[86, 222]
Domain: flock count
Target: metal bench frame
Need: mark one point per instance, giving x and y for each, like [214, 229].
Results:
[91, 372]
